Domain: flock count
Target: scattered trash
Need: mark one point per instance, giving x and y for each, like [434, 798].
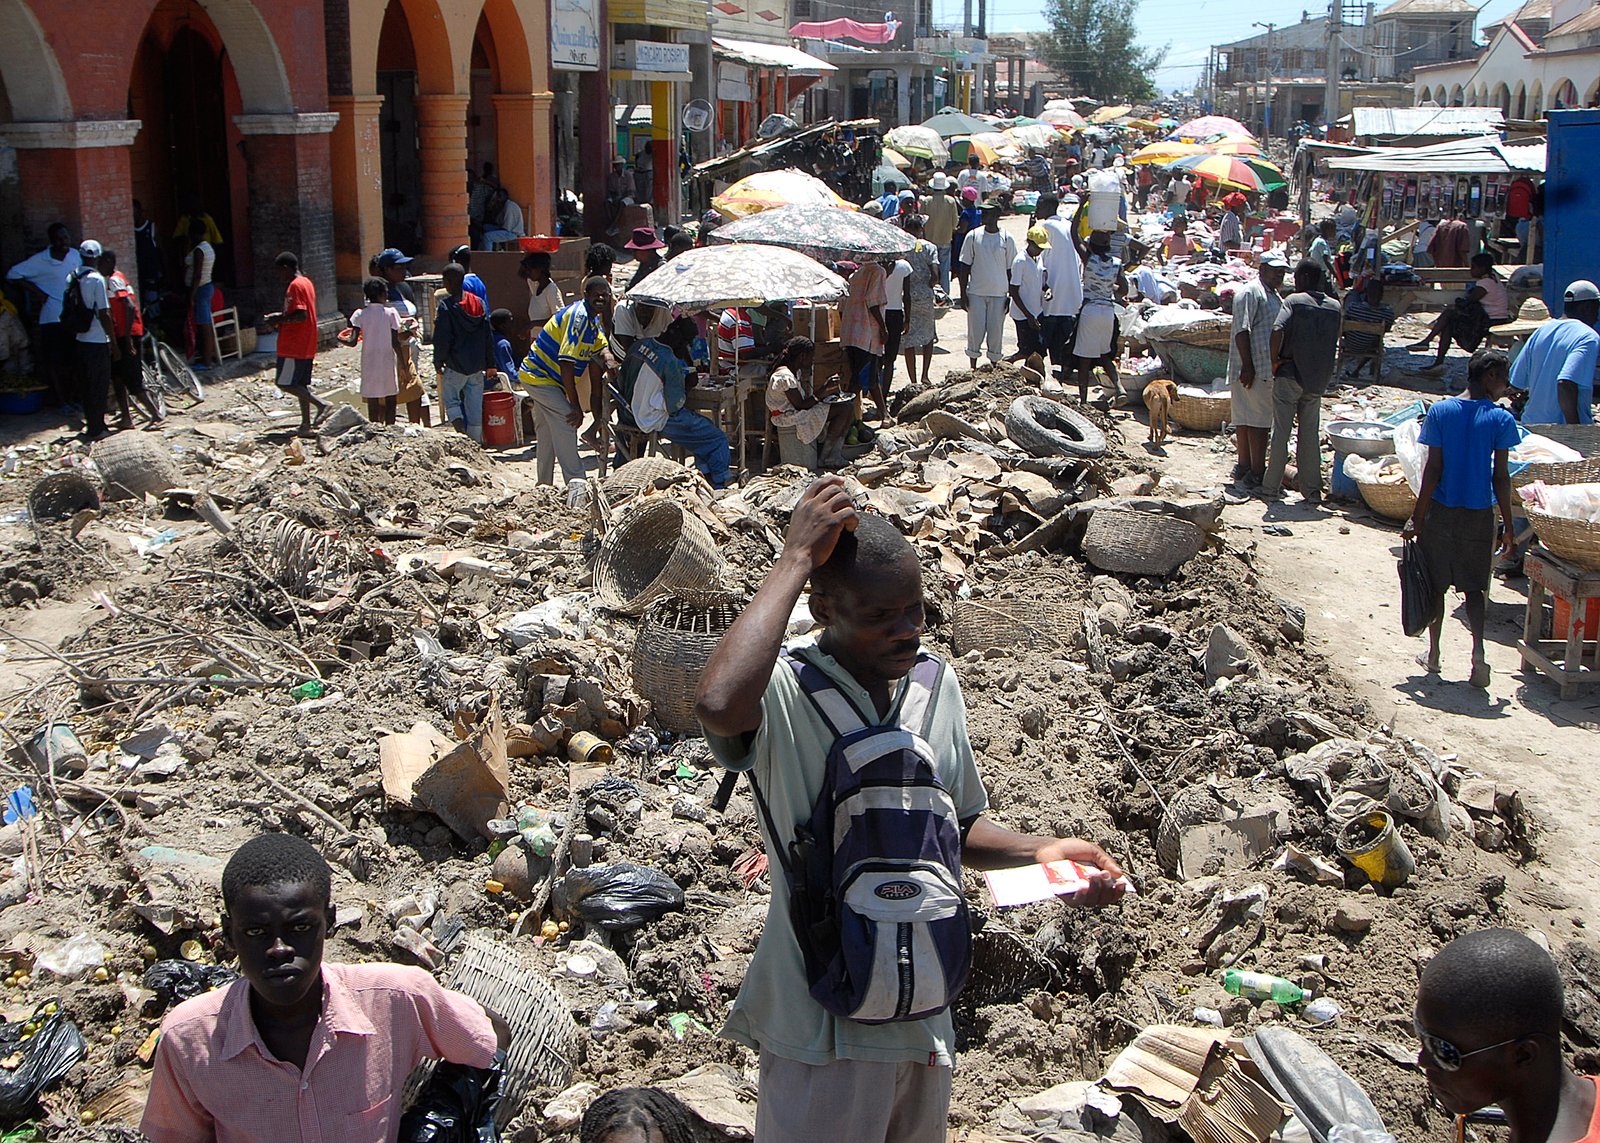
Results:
[620, 896]
[74, 956]
[1262, 986]
[34, 1053]
[175, 981]
[1373, 845]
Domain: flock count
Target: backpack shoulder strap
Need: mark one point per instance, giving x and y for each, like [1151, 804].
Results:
[922, 693]
[830, 702]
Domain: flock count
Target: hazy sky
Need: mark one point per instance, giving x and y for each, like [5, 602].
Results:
[1190, 27]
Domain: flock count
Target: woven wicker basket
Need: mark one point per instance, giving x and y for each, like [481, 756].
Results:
[134, 465]
[637, 475]
[657, 548]
[1583, 471]
[1576, 541]
[676, 637]
[1584, 438]
[980, 624]
[1202, 414]
[1005, 965]
[1139, 543]
[1213, 334]
[1391, 501]
[59, 495]
[544, 1040]
[1190, 806]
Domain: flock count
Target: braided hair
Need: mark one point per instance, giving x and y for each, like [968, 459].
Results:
[640, 1108]
[793, 349]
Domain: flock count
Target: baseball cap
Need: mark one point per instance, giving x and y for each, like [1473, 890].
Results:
[89, 248]
[392, 257]
[1582, 290]
[1273, 258]
[940, 181]
[1038, 235]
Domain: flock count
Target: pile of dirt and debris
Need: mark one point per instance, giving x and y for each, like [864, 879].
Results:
[392, 644]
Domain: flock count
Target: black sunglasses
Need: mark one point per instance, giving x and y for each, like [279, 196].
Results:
[1448, 1056]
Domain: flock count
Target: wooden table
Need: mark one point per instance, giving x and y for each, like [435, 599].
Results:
[725, 400]
[1568, 658]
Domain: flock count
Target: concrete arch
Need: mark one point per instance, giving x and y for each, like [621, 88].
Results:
[257, 62]
[1501, 98]
[1455, 96]
[430, 39]
[1592, 94]
[510, 46]
[1564, 92]
[1440, 95]
[34, 80]
[1520, 101]
[1536, 101]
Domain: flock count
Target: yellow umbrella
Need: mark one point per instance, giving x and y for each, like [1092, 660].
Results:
[1000, 144]
[1107, 114]
[1142, 124]
[1166, 152]
[890, 155]
[765, 190]
[1234, 145]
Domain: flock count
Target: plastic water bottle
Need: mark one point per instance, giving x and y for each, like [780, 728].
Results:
[1262, 986]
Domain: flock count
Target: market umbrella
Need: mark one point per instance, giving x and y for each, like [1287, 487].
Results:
[1224, 170]
[767, 189]
[715, 277]
[895, 158]
[1000, 143]
[960, 149]
[1166, 152]
[949, 124]
[1232, 145]
[1107, 114]
[919, 143]
[1036, 135]
[1141, 124]
[1062, 117]
[822, 232]
[1208, 126]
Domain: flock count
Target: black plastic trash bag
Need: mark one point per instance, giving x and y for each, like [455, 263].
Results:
[620, 896]
[47, 1055]
[1416, 591]
[456, 1105]
[175, 981]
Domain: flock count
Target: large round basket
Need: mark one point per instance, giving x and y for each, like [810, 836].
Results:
[134, 465]
[982, 624]
[1576, 541]
[1139, 543]
[62, 494]
[657, 548]
[1190, 806]
[637, 475]
[1583, 471]
[676, 637]
[1202, 414]
[1392, 501]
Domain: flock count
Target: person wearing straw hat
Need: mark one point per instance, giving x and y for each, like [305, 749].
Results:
[1531, 314]
[939, 211]
[1469, 441]
[1556, 365]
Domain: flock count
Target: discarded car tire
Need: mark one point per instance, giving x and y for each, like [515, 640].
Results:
[1049, 428]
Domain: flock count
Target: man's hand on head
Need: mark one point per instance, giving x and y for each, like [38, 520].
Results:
[824, 512]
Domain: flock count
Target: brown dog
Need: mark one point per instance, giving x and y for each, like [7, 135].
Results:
[1158, 398]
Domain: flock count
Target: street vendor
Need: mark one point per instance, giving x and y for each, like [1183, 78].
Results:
[756, 334]
[653, 384]
[1466, 322]
[811, 429]
[1178, 244]
[571, 344]
[1231, 237]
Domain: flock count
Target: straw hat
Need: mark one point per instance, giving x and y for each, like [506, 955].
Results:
[1532, 314]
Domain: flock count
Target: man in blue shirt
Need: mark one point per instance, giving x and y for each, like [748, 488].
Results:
[890, 200]
[654, 389]
[1556, 365]
[1469, 441]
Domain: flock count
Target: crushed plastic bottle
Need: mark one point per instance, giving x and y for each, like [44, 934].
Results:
[311, 689]
[1262, 986]
[538, 830]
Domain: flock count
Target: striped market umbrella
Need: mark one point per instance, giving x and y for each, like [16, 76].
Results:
[715, 277]
[895, 158]
[1233, 145]
[766, 190]
[1229, 171]
[1166, 152]
[822, 232]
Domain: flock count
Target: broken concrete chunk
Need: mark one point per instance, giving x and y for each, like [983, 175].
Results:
[1227, 655]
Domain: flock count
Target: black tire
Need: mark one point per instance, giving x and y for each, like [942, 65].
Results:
[1049, 428]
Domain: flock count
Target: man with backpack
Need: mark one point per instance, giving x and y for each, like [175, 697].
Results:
[86, 312]
[870, 804]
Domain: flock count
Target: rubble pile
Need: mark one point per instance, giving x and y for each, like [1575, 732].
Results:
[390, 643]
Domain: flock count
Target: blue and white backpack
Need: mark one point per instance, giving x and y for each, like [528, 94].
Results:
[875, 875]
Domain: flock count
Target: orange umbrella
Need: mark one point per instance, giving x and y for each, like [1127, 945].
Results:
[765, 190]
[1233, 145]
[1166, 152]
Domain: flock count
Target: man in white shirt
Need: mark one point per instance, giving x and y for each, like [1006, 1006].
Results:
[44, 276]
[897, 287]
[1064, 273]
[974, 176]
[1179, 193]
[96, 347]
[1027, 294]
[987, 254]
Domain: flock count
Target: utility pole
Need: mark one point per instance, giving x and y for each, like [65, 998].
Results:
[1271, 95]
[1330, 96]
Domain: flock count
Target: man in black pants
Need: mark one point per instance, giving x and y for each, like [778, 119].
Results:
[96, 346]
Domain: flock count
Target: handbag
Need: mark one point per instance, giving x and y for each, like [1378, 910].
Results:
[1416, 590]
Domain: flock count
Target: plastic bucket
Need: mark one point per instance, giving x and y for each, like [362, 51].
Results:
[1373, 845]
[499, 419]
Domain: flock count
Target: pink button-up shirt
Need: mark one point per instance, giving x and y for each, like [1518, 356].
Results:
[215, 1080]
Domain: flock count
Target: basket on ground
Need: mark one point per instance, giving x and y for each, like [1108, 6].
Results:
[982, 624]
[637, 475]
[1139, 543]
[61, 494]
[1391, 500]
[676, 637]
[657, 548]
[1576, 541]
[1204, 414]
[134, 465]
[1585, 471]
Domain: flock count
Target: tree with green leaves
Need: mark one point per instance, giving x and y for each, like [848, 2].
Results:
[1090, 43]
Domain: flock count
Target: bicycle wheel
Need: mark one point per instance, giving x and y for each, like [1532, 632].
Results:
[176, 376]
[154, 386]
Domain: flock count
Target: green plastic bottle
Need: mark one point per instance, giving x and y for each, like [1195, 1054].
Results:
[1262, 986]
[313, 689]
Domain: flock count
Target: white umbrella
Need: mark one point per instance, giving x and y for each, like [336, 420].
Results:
[919, 143]
[720, 276]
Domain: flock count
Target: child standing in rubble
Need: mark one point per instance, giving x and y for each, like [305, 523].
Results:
[762, 704]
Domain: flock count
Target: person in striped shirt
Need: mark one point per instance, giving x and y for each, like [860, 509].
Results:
[571, 343]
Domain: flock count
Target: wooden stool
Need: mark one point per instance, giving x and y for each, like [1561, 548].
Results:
[1567, 657]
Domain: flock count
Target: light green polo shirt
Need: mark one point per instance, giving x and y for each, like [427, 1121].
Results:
[774, 1011]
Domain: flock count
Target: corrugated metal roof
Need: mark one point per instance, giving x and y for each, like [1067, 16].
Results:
[1588, 21]
[1426, 8]
[1422, 122]
[770, 55]
[1524, 156]
[1481, 156]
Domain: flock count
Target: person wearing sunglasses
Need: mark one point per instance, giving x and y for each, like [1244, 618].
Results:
[1488, 1017]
